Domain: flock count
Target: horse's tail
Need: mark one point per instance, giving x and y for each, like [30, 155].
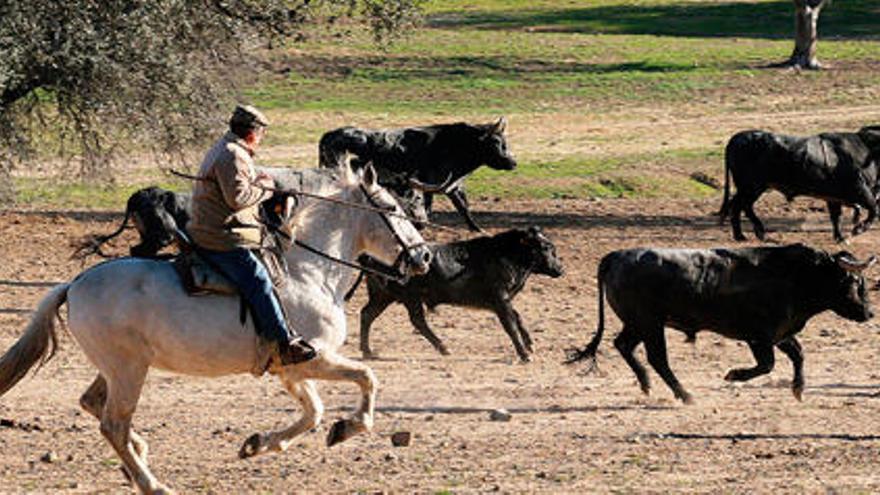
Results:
[92, 244]
[39, 342]
[589, 352]
[725, 202]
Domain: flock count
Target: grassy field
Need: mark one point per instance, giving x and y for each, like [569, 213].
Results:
[605, 98]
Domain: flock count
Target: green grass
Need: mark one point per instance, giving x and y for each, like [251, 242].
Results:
[587, 177]
[79, 195]
[559, 59]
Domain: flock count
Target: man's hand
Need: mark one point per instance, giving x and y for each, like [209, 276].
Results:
[264, 180]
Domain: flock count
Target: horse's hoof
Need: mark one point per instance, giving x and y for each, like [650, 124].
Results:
[338, 433]
[251, 447]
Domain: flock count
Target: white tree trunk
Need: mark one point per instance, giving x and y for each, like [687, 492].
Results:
[806, 19]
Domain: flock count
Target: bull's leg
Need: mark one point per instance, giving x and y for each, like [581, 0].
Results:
[834, 211]
[278, 441]
[736, 217]
[792, 348]
[92, 402]
[626, 343]
[429, 203]
[376, 305]
[763, 352]
[757, 225]
[417, 318]
[123, 391]
[655, 347]
[459, 200]
[857, 215]
[504, 311]
[523, 332]
[867, 199]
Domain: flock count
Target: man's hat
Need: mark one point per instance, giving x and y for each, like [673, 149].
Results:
[248, 116]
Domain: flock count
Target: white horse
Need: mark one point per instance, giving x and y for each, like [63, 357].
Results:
[132, 314]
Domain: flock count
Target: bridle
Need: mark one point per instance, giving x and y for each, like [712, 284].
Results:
[393, 272]
[405, 255]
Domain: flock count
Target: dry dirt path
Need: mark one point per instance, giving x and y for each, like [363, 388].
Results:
[569, 433]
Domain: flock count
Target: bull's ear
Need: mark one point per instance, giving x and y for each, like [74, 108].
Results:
[499, 126]
[369, 175]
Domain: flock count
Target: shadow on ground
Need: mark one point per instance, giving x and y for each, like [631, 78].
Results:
[853, 19]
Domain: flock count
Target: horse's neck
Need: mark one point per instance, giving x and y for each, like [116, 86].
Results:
[331, 232]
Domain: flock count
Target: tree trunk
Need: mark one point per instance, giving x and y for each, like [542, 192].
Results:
[806, 19]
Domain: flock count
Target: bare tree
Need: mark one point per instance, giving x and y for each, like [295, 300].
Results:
[806, 14]
[80, 77]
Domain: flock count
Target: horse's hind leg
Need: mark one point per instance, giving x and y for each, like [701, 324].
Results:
[123, 390]
[331, 366]
[93, 400]
[279, 441]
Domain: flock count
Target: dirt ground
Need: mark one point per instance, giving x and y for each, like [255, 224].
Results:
[568, 432]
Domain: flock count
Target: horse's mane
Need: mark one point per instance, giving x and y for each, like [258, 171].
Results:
[345, 178]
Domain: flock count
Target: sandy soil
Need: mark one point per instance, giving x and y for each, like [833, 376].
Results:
[568, 433]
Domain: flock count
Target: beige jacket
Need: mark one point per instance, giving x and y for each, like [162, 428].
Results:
[225, 205]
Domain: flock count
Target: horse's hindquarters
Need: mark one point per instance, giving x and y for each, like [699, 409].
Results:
[135, 310]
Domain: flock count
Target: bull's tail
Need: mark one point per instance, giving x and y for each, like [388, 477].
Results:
[92, 244]
[725, 203]
[37, 345]
[589, 352]
[354, 286]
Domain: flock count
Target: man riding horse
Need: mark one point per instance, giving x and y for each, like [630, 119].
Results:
[225, 226]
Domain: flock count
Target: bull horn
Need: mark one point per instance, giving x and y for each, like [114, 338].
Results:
[850, 264]
[500, 125]
[430, 188]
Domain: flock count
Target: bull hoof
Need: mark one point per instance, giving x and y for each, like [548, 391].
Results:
[525, 358]
[369, 355]
[251, 447]
[732, 376]
[646, 388]
[444, 351]
[685, 397]
[798, 392]
[338, 433]
[739, 238]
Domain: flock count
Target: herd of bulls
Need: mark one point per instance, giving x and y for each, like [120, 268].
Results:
[763, 296]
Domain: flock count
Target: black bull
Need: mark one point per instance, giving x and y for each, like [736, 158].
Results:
[155, 212]
[841, 168]
[433, 158]
[763, 296]
[484, 273]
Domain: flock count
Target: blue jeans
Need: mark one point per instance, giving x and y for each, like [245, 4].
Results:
[244, 270]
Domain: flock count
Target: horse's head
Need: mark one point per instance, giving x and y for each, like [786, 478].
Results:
[386, 235]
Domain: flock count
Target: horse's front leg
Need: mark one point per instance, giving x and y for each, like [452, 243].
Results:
[279, 441]
[329, 365]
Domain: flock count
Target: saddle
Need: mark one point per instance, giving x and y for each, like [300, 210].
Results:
[200, 278]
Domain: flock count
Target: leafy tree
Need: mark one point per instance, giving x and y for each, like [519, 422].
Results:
[78, 78]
